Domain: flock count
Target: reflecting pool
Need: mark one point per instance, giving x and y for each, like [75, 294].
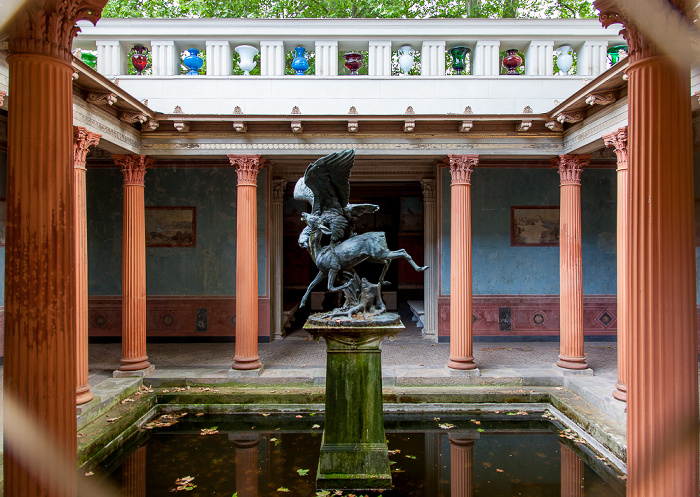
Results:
[274, 454]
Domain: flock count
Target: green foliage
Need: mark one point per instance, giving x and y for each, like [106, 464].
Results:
[349, 8]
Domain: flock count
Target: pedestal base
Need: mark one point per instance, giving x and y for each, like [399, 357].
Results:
[354, 454]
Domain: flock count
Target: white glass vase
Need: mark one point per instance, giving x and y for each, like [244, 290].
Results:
[247, 52]
[565, 59]
[405, 59]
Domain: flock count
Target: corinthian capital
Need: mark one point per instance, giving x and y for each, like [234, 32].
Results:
[247, 167]
[47, 27]
[133, 167]
[82, 139]
[461, 167]
[618, 139]
[570, 167]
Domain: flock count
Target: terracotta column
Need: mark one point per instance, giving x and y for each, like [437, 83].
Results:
[570, 263]
[82, 139]
[430, 278]
[662, 372]
[134, 356]
[276, 268]
[618, 139]
[40, 345]
[461, 467]
[247, 466]
[461, 353]
[246, 357]
[134, 474]
[571, 473]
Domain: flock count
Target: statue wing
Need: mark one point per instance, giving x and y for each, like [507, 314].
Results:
[329, 181]
[357, 210]
[303, 192]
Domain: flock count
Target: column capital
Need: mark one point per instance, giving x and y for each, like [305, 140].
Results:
[461, 167]
[48, 27]
[278, 187]
[133, 167]
[670, 16]
[570, 167]
[428, 186]
[618, 139]
[82, 139]
[247, 167]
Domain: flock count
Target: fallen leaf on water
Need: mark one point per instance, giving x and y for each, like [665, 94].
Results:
[480, 430]
[410, 457]
[185, 483]
[89, 473]
[199, 414]
[487, 464]
[276, 441]
[421, 364]
[165, 390]
[210, 431]
[282, 489]
[446, 426]
[316, 426]
[475, 421]
[436, 419]
[265, 414]
[499, 470]
[299, 416]
[302, 472]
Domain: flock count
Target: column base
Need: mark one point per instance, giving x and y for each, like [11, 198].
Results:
[246, 363]
[353, 466]
[83, 395]
[246, 373]
[566, 362]
[461, 363]
[139, 373]
[134, 364]
[620, 392]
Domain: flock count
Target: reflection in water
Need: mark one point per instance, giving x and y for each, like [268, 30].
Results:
[133, 474]
[456, 455]
[571, 473]
[462, 465]
[246, 463]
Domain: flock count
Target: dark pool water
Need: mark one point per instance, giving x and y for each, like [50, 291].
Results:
[277, 455]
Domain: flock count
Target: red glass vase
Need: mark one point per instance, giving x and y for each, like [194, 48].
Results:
[512, 61]
[353, 61]
[139, 59]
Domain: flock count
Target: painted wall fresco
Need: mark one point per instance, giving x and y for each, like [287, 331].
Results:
[498, 267]
[209, 268]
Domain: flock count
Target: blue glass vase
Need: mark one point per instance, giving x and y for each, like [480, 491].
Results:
[299, 63]
[193, 62]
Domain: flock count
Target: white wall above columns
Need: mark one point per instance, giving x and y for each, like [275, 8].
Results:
[487, 58]
[272, 58]
[539, 58]
[379, 58]
[165, 58]
[326, 58]
[219, 58]
[432, 58]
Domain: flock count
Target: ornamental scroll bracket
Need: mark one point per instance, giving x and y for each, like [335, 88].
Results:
[466, 126]
[605, 97]
[296, 123]
[554, 126]
[409, 125]
[240, 125]
[571, 117]
[101, 98]
[353, 124]
[133, 117]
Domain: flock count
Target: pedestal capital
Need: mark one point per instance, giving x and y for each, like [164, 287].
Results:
[278, 187]
[48, 27]
[133, 167]
[570, 167]
[461, 167]
[247, 167]
[82, 139]
[618, 139]
[428, 186]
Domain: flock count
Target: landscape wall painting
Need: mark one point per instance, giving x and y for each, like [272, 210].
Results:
[534, 226]
[171, 226]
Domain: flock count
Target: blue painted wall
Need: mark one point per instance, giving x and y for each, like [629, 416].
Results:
[207, 269]
[499, 268]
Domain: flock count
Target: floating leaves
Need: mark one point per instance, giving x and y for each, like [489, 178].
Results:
[164, 421]
[210, 431]
[275, 441]
[302, 472]
[316, 426]
[89, 473]
[185, 483]
[282, 489]
[446, 426]
[571, 435]
[517, 413]
[410, 457]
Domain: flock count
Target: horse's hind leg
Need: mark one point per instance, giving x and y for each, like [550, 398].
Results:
[395, 254]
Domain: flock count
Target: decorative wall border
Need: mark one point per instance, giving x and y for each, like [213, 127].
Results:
[530, 315]
[183, 316]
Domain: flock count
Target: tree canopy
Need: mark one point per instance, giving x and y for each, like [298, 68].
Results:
[350, 8]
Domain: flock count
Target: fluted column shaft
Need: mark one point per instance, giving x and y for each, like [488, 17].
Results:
[82, 139]
[40, 346]
[662, 381]
[571, 263]
[572, 483]
[246, 356]
[134, 356]
[618, 139]
[430, 281]
[461, 467]
[461, 347]
[276, 268]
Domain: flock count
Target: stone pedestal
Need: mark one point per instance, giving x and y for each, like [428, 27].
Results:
[353, 451]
